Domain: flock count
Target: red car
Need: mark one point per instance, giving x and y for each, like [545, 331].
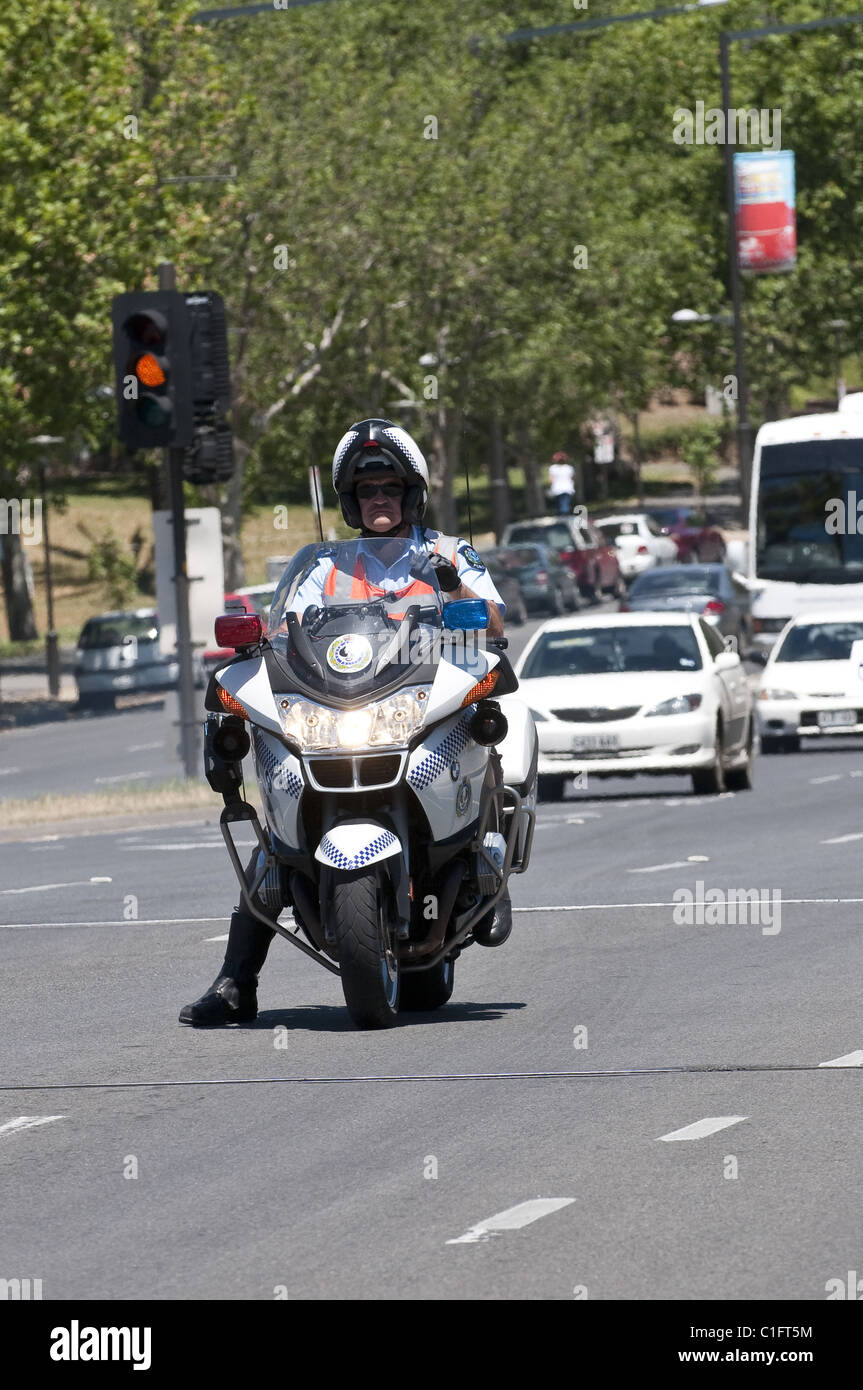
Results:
[579, 546]
[696, 540]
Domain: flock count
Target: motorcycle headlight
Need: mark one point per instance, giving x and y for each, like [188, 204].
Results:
[382, 724]
[678, 704]
[777, 695]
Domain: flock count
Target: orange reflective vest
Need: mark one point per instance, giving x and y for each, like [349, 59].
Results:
[341, 587]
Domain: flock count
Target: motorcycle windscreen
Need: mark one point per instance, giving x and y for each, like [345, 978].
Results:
[349, 617]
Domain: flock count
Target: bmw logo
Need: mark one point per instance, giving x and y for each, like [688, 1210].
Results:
[454, 770]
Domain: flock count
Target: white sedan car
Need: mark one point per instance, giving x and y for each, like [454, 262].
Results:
[615, 694]
[639, 542]
[812, 684]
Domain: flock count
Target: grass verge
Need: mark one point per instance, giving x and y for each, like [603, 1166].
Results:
[127, 799]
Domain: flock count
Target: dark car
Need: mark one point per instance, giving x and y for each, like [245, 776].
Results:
[505, 580]
[705, 589]
[696, 538]
[546, 584]
[583, 549]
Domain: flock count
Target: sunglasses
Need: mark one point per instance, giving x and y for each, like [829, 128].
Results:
[366, 491]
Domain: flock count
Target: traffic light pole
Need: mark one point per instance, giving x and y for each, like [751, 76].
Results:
[188, 721]
[174, 465]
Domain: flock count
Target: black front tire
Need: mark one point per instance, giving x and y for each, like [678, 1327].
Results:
[422, 991]
[550, 788]
[741, 779]
[363, 923]
[710, 781]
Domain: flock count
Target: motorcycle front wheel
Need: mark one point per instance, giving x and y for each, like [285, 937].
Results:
[365, 929]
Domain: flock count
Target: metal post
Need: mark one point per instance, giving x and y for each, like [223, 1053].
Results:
[174, 465]
[744, 429]
[52, 654]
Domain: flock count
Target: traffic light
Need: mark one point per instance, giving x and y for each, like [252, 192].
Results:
[210, 457]
[153, 369]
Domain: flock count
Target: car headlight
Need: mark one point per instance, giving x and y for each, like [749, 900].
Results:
[382, 724]
[678, 704]
[777, 695]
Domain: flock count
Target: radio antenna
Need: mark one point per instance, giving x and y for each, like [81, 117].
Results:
[315, 486]
[469, 517]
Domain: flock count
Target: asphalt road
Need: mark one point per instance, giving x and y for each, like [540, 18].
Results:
[385, 1165]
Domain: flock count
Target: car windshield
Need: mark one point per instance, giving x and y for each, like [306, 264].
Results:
[820, 642]
[559, 537]
[589, 651]
[111, 631]
[682, 579]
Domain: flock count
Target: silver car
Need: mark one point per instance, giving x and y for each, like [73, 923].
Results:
[118, 653]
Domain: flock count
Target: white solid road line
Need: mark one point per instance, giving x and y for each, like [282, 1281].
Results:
[655, 868]
[701, 1128]
[851, 1059]
[132, 922]
[844, 839]
[595, 907]
[27, 1122]
[512, 1219]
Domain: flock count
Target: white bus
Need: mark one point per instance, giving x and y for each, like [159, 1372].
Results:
[805, 550]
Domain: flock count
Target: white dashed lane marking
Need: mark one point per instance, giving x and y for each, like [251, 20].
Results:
[701, 1128]
[51, 887]
[819, 781]
[124, 777]
[27, 1122]
[844, 839]
[851, 1059]
[512, 1219]
[657, 868]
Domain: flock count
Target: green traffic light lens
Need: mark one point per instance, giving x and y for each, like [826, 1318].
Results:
[153, 412]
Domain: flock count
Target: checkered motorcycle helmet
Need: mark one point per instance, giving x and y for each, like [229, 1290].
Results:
[375, 447]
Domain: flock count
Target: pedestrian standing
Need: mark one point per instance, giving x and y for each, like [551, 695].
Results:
[561, 484]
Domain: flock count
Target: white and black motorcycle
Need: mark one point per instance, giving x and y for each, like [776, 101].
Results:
[390, 829]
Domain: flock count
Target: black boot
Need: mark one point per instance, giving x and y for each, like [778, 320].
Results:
[495, 927]
[232, 997]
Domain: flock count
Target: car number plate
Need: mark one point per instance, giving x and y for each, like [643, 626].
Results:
[595, 743]
[837, 718]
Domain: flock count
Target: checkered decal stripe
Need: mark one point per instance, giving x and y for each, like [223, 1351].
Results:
[439, 760]
[275, 771]
[339, 860]
[342, 447]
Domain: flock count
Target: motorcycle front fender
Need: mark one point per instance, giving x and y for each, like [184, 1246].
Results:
[353, 844]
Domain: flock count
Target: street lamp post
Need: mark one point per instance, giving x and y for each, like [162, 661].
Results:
[52, 654]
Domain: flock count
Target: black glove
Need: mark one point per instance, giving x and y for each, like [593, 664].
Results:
[447, 575]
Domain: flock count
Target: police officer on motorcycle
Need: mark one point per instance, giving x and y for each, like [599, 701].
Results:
[381, 479]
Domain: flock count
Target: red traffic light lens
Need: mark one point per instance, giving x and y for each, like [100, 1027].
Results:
[148, 370]
[149, 329]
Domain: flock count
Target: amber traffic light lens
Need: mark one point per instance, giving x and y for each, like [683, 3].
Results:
[148, 371]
